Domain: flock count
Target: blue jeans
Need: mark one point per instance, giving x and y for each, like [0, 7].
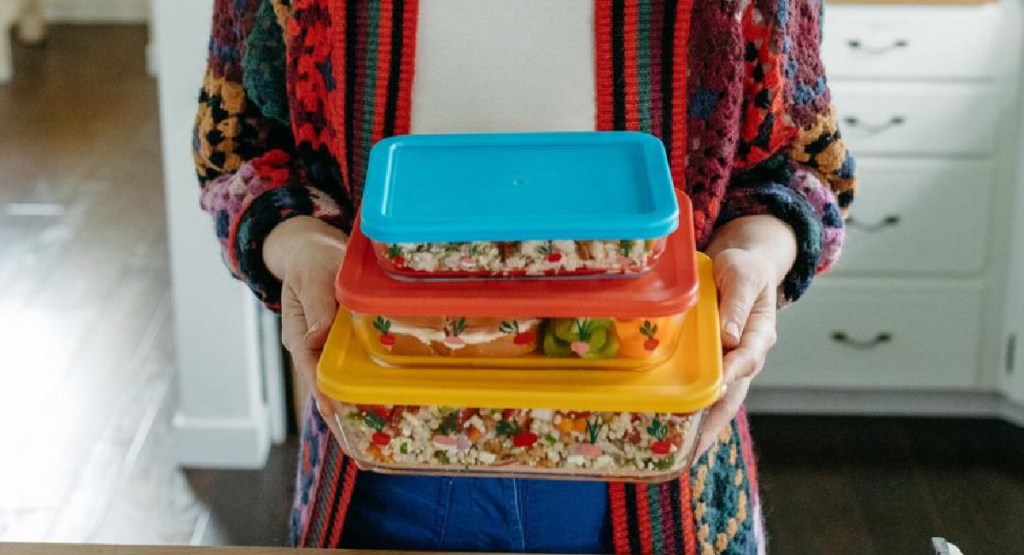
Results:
[478, 514]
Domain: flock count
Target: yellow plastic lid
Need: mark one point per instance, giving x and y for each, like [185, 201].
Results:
[689, 381]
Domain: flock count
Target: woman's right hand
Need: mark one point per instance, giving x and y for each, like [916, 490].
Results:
[305, 254]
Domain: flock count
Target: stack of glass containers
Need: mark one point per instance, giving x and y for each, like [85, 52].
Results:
[524, 304]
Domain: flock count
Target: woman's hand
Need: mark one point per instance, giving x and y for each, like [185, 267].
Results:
[305, 254]
[751, 256]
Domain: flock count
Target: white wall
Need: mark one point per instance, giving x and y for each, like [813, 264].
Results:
[221, 418]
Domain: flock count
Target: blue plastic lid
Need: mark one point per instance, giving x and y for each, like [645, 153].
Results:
[518, 187]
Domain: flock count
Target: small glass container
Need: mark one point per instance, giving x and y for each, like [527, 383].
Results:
[580, 204]
[614, 324]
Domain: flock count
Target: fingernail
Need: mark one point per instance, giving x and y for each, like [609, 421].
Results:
[312, 329]
[732, 330]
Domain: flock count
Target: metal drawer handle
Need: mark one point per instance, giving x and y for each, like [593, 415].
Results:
[854, 121]
[856, 44]
[862, 344]
[888, 221]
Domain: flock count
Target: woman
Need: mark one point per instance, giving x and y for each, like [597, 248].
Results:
[296, 93]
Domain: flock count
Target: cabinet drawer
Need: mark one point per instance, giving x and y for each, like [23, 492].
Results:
[917, 119]
[905, 218]
[911, 42]
[909, 334]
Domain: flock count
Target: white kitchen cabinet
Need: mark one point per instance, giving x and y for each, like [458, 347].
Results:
[912, 43]
[878, 335]
[1012, 383]
[1012, 375]
[920, 314]
[904, 220]
[913, 120]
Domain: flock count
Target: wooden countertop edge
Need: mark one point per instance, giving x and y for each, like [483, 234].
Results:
[78, 549]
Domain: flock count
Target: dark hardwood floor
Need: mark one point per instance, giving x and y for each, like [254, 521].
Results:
[86, 362]
[885, 485]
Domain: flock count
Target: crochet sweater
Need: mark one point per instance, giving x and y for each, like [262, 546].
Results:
[297, 91]
[295, 96]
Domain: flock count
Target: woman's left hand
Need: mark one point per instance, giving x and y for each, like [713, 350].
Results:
[747, 312]
[750, 256]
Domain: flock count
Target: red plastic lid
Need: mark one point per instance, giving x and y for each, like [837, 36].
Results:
[669, 288]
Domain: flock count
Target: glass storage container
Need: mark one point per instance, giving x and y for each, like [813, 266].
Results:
[565, 424]
[578, 204]
[597, 323]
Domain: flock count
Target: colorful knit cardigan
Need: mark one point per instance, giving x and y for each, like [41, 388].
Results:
[297, 91]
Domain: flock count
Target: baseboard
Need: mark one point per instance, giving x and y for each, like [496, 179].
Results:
[884, 403]
[220, 443]
[1012, 412]
[96, 11]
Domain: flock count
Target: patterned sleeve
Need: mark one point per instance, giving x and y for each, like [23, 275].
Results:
[791, 160]
[243, 146]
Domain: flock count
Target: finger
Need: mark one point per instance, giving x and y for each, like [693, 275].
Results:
[721, 414]
[737, 365]
[305, 363]
[739, 292]
[319, 309]
[293, 320]
[324, 404]
[747, 359]
[294, 332]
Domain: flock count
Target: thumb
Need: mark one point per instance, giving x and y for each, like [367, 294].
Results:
[738, 292]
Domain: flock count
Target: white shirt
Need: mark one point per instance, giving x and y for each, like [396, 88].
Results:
[504, 65]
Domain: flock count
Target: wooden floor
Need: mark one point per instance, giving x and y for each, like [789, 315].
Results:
[86, 361]
[85, 342]
[884, 486]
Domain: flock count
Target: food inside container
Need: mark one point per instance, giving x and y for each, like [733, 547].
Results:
[620, 324]
[579, 204]
[538, 439]
[583, 338]
[563, 423]
[519, 258]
